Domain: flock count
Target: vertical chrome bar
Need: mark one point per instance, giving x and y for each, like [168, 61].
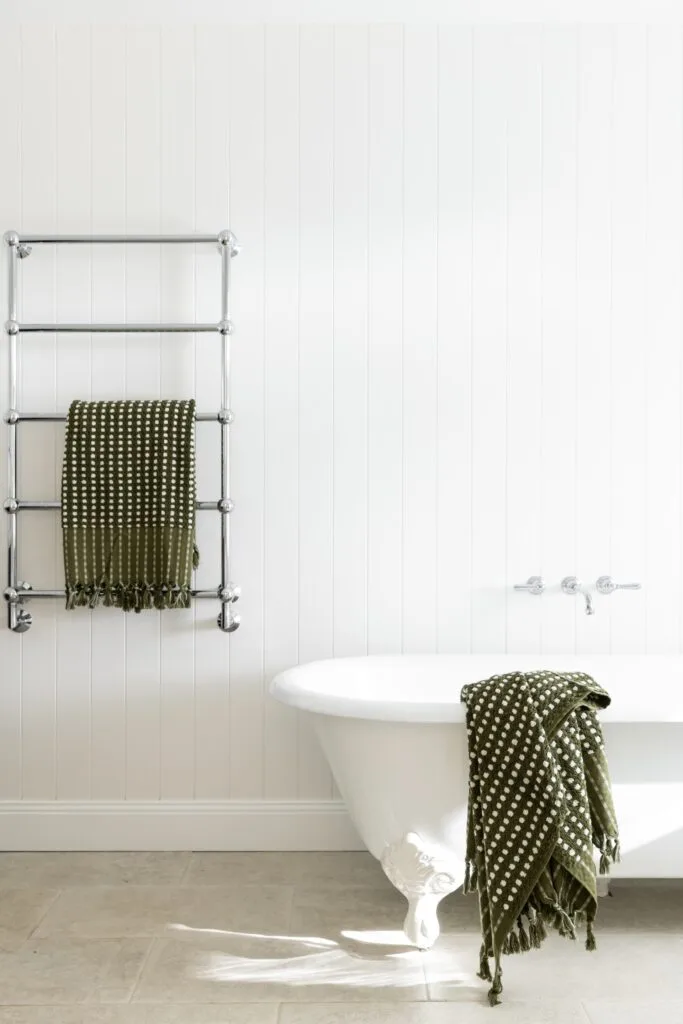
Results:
[226, 620]
[12, 241]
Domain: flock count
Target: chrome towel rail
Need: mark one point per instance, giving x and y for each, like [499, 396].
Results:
[13, 327]
[26, 592]
[19, 247]
[224, 505]
[14, 416]
[28, 239]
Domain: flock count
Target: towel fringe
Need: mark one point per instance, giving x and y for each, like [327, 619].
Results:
[534, 931]
[484, 966]
[555, 916]
[610, 852]
[130, 597]
[524, 939]
[497, 987]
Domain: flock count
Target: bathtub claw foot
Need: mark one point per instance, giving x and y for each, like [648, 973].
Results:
[421, 925]
[424, 875]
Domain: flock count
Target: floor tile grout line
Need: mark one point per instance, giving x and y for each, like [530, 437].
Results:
[143, 966]
[187, 869]
[584, 1011]
[292, 908]
[32, 932]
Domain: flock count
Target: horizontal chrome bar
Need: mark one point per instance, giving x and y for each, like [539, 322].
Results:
[114, 239]
[13, 505]
[117, 328]
[60, 417]
[28, 595]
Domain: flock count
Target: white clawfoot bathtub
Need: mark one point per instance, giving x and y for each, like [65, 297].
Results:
[392, 729]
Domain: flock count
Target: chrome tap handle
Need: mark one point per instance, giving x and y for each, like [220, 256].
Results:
[606, 585]
[534, 585]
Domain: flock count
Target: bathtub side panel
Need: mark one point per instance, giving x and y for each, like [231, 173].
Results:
[398, 777]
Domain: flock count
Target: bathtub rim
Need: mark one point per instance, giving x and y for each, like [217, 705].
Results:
[629, 706]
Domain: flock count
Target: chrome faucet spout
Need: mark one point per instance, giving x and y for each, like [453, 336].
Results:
[572, 586]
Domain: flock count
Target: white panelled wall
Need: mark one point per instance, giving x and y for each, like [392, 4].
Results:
[457, 362]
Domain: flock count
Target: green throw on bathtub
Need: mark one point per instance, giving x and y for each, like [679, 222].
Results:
[539, 801]
[128, 504]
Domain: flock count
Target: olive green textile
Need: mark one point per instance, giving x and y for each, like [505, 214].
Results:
[539, 800]
[128, 504]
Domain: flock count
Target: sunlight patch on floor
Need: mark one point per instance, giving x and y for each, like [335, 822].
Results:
[372, 959]
[332, 967]
[256, 937]
[379, 938]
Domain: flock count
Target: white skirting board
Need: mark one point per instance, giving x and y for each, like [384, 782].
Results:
[176, 825]
[240, 825]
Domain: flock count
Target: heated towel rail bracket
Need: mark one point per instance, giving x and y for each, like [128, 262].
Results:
[18, 247]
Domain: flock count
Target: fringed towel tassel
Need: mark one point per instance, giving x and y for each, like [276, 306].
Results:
[484, 967]
[558, 918]
[497, 987]
[564, 923]
[130, 597]
[610, 853]
[524, 940]
[534, 929]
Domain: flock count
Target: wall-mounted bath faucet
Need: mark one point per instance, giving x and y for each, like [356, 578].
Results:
[572, 586]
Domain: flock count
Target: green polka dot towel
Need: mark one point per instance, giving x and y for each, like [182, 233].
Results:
[540, 800]
[128, 504]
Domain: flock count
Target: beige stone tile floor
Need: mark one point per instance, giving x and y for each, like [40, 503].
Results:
[314, 938]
